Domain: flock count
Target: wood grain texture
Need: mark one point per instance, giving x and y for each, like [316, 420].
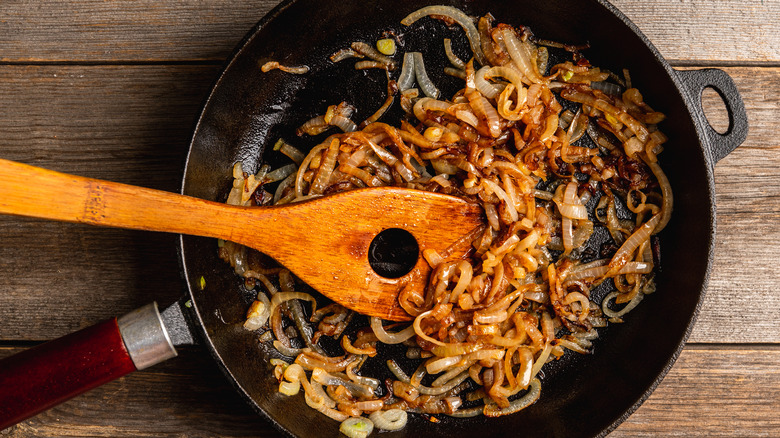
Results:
[707, 31]
[39, 378]
[184, 397]
[741, 298]
[687, 31]
[711, 392]
[139, 31]
[110, 89]
[138, 130]
[56, 278]
[131, 124]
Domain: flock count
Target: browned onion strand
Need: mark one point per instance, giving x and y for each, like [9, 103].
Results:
[491, 318]
[274, 65]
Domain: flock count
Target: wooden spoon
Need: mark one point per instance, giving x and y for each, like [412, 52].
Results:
[324, 241]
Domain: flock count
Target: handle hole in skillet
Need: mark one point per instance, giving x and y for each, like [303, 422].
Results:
[393, 253]
[715, 110]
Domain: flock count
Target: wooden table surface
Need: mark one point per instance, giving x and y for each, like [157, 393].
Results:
[111, 89]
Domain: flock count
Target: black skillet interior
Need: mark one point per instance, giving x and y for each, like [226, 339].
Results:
[249, 110]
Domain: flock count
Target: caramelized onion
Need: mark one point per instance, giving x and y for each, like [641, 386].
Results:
[406, 79]
[487, 89]
[371, 52]
[483, 109]
[273, 65]
[521, 56]
[632, 243]
[519, 295]
[666, 192]
[627, 308]
[281, 297]
[258, 312]
[492, 410]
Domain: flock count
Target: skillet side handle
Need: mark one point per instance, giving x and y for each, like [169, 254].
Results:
[41, 377]
[695, 82]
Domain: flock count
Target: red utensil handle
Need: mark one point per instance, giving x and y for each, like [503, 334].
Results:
[51, 373]
[41, 377]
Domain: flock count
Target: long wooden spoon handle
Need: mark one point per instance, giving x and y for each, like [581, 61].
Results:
[31, 191]
[325, 241]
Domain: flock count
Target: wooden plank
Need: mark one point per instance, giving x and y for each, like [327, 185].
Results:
[709, 32]
[107, 31]
[55, 278]
[745, 178]
[135, 121]
[713, 392]
[129, 124]
[110, 31]
[186, 396]
[741, 301]
[58, 278]
[747, 191]
[710, 392]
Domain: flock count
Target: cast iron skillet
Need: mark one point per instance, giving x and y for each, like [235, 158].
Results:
[248, 111]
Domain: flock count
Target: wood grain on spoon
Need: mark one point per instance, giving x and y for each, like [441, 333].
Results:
[324, 241]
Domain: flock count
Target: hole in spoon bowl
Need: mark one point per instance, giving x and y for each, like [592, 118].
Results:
[393, 253]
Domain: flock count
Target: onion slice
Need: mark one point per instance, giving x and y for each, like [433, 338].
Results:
[453, 58]
[390, 338]
[483, 86]
[631, 244]
[666, 191]
[459, 17]
[273, 65]
[425, 83]
[492, 410]
[520, 54]
[406, 79]
[391, 419]
[281, 297]
[258, 312]
[356, 427]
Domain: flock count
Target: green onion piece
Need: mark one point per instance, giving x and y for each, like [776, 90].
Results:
[356, 427]
[278, 145]
[202, 283]
[568, 75]
[188, 304]
[386, 46]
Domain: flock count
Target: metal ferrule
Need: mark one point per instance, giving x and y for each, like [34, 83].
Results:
[145, 336]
